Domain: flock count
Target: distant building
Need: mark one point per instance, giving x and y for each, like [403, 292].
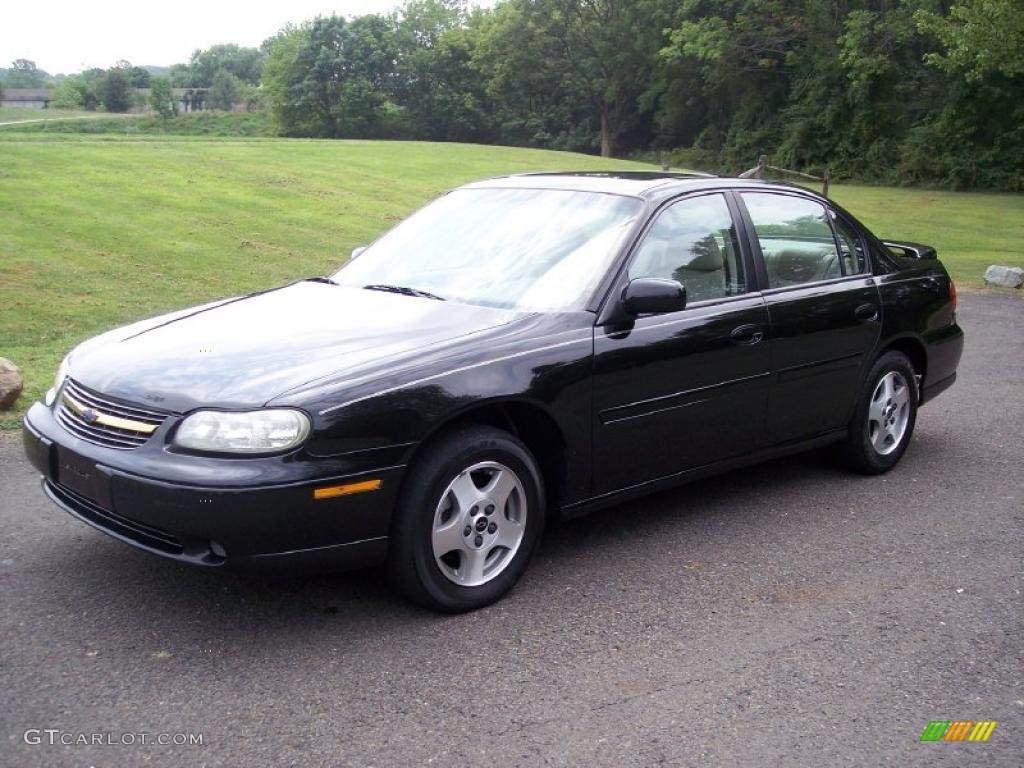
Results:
[189, 99]
[28, 98]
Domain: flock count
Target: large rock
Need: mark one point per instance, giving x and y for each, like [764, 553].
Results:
[1005, 277]
[11, 383]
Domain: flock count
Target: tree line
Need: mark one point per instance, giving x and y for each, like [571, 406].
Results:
[918, 91]
[897, 91]
[92, 89]
[219, 77]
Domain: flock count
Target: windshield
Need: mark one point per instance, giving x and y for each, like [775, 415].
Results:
[537, 250]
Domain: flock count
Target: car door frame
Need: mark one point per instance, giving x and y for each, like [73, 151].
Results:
[608, 308]
[866, 279]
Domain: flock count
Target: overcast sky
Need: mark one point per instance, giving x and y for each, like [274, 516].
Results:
[71, 35]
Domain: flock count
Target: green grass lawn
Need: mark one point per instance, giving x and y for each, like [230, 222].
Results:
[96, 232]
[970, 229]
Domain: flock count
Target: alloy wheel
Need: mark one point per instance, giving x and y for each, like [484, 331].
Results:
[888, 413]
[479, 523]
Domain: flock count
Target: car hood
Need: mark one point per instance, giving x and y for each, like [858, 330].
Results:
[243, 352]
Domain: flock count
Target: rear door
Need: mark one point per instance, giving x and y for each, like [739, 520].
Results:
[823, 307]
[678, 390]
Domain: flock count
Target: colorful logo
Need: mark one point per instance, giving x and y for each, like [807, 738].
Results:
[958, 730]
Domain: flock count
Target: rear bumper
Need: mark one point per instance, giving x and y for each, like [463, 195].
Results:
[945, 349]
[932, 391]
[247, 527]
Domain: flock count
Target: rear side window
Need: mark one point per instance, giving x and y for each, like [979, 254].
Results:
[796, 239]
[851, 249]
[693, 241]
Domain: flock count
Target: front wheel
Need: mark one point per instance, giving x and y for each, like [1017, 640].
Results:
[468, 519]
[885, 415]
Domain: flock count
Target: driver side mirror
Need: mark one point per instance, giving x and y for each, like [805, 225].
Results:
[357, 250]
[653, 295]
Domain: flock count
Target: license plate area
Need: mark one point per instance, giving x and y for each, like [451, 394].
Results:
[84, 477]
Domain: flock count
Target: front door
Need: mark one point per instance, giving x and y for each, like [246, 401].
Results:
[679, 390]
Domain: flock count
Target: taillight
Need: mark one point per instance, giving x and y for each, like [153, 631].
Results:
[952, 293]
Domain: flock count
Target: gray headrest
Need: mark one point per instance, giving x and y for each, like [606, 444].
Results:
[707, 256]
[796, 266]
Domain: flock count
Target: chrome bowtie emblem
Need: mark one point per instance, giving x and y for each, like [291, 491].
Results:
[89, 415]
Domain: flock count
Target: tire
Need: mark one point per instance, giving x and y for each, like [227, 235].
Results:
[469, 517]
[884, 419]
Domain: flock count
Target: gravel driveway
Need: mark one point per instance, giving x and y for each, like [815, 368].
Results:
[789, 614]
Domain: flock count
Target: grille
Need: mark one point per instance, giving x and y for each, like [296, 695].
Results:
[115, 424]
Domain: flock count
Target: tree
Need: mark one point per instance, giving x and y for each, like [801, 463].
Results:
[161, 97]
[532, 102]
[181, 76]
[71, 93]
[116, 90]
[24, 74]
[611, 47]
[246, 64]
[922, 91]
[600, 52]
[282, 75]
[745, 53]
[980, 37]
[329, 78]
[434, 78]
[225, 91]
[139, 77]
[90, 85]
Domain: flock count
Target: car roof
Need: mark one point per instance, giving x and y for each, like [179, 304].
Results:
[647, 184]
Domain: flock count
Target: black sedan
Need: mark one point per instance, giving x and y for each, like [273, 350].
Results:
[527, 346]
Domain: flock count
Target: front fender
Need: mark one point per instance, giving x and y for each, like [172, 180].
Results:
[545, 362]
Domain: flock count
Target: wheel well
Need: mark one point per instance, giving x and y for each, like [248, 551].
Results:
[538, 431]
[914, 350]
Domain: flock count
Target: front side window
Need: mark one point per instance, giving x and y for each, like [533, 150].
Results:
[534, 250]
[795, 237]
[693, 241]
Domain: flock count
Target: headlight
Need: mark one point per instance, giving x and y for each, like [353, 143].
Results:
[62, 373]
[263, 431]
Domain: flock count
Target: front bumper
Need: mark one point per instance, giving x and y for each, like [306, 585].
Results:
[214, 511]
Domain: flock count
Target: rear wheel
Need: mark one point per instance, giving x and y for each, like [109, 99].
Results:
[885, 416]
[468, 520]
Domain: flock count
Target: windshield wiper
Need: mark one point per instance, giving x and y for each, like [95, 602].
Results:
[405, 291]
[319, 279]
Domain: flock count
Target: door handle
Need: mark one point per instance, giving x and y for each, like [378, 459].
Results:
[747, 335]
[866, 313]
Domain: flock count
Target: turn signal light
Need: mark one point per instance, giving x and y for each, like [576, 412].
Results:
[333, 491]
[952, 293]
